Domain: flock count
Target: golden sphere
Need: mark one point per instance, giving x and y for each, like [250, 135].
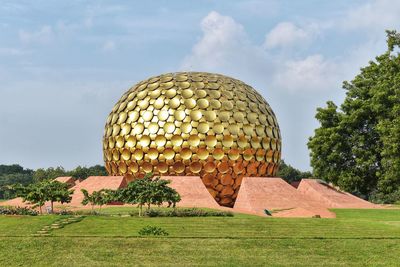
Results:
[193, 123]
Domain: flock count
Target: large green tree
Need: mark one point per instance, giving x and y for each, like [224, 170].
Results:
[357, 145]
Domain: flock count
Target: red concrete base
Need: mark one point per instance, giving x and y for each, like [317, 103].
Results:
[330, 196]
[277, 196]
[192, 191]
[256, 194]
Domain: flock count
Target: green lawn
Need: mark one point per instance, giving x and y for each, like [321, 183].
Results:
[354, 238]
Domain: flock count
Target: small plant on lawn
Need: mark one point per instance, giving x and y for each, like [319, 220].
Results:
[153, 230]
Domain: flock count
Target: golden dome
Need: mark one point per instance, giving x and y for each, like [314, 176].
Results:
[193, 123]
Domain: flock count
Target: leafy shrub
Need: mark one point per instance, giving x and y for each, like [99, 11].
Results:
[64, 212]
[153, 230]
[17, 211]
[190, 212]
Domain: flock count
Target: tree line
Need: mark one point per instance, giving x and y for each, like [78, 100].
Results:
[16, 174]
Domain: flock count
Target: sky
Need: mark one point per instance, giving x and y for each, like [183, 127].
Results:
[64, 64]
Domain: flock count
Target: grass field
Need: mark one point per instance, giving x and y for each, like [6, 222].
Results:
[354, 238]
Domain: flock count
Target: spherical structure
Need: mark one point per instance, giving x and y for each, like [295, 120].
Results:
[193, 123]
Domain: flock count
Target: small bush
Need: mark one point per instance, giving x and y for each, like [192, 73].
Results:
[192, 212]
[17, 211]
[152, 230]
[64, 212]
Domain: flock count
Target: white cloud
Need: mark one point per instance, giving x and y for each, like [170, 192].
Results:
[108, 46]
[374, 16]
[44, 35]
[7, 51]
[287, 34]
[221, 36]
[311, 73]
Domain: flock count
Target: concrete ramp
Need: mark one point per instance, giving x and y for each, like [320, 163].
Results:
[192, 191]
[330, 196]
[274, 194]
[95, 183]
[66, 179]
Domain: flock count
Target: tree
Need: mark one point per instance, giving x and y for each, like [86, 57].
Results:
[57, 192]
[290, 174]
[10, 175]
[45, 190]
[148, 191]
[357, 146]
[85, 172]
[50, 173]
[33, 193]
[99, 198]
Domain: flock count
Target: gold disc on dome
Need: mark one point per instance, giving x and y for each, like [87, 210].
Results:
[218, 153]
[233, 154]
[153, 127]
[170, 93]
[174, 102]
[223, 167]
[218, 128]
[186, 127]
[126, 154]
[160, 140]
[211, 141]
[145, 141]
[138, 129]
[147, 167]
[163, 115]
[169, 127]
[194, 140]
[120, 141]
[176, 140]
[159, 103]
[186, 153]
[196, 115]
[138, 154]
[233, 129]
[153, 153]
[203, 127]
[203, 103]
[202, 153]
[133, 116]
[169, 153]
[162, 167]
[209, 167]
[210, 115]
[187, 93]
[180, 115]
[190, 103]
[133, 167]
[178, 167]
[195, 167]
[227, 141]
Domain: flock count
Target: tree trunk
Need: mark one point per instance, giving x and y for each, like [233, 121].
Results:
[148, 206]
[40, 209]
[52, 206]
[140, 210]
